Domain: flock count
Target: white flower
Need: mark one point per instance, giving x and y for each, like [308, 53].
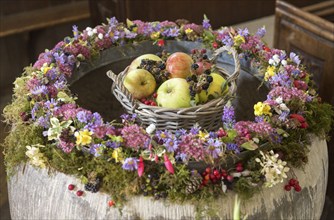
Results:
[100, 36]
[90, 33]
[284, 62]
[150, 129]
[273, 169]
[94, 30]
[275, 60]
[88, 29]
[279, 100]
[36, 158]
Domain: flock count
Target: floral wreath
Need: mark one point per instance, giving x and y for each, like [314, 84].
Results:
[58, 134]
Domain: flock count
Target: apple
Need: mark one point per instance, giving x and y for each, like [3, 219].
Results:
[174, 93]
[201, 67]
[179, 65]
[136, 62]
[215, 89]
[140, 83]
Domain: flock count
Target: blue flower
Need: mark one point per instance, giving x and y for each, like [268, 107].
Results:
[228, 117]
[295, 58]
[84, 116]
[206, 23]
[261, 32]
[227, 40]
[171, 144]
[113, 144]
[233, 147]
[96, 150]
[130, 164]
[243, 32]
[171, 32]
[214, 147]
[182, 156]
[40, 90]
[75, 32]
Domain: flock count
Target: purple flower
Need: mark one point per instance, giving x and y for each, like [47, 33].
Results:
[113, 22]
[261, 32]
[75, 32]
[51, 104]
[130, 164]
[130, 35]
[128, 118]
[228, 117]
[227, 40]
[283, 116]
[233, 147]
[135, 136]
[182, 156]
[195, 129]
[96, 150]
[163, 135]
[171, 32]
[280, 79]
[44, 121]
[84, 116]
[180, 132]
[40, 90]
[295, 58]
[214, 147]
[243, 32]
[113, 144]
[206, 23]
[34, 110]
[171, 144]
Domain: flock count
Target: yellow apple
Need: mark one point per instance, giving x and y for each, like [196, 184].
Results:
[140, 83]
[136, 62]
[215, 89]
[174, 93]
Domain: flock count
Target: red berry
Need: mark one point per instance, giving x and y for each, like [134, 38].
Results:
[230, 178]
[239, 169]
[212, 177]
[216, 172]
[147, 102]
[207, 177]
[208, 170]
[143, 100]
[71, 187]
[204, 174]
[298, 188]
[80, 193]
[111, 203]
[155, 95]
[153, 103]
[224, 173]
[293, 182]
[287, 187]
[203, 51]
[221, 133]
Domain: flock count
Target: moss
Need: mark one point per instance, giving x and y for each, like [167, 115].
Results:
[15, 144]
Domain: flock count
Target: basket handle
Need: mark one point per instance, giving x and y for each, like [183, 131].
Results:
[119, 83]
[234, 53]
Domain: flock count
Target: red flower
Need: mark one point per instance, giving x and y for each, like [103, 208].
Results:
[300, 119]
[161, 43]
[215, 44]
[140, 167]
[168, 164]
[299, 84]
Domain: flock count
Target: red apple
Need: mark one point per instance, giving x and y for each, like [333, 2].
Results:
[179, 65]
[202, 66]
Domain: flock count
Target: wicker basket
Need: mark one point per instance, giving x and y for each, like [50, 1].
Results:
[207, 115]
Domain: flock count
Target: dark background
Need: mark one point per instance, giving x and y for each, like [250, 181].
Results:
[27, 27]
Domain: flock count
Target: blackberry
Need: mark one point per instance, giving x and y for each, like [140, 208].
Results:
[207, 72]
[189, 79]
[194, 66]
[194, 78]
[205, 86]
[162, 66]
[193, 93]
[209, 79]
[205, 57]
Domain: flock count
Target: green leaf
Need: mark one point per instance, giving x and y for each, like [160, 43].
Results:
[250, 145]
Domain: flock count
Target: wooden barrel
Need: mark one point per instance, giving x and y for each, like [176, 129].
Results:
[37, 194]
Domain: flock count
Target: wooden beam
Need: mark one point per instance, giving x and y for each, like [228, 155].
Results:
[42, 18]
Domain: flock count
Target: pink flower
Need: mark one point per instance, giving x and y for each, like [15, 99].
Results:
[135, 136]
[140, 167]
[168, 164]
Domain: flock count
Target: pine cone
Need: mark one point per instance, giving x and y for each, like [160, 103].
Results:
[193, 183]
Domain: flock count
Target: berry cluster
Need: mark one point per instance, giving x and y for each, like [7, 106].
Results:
[156, 68]
[201, 70]
[150, 101]
[293, 183]
[150, 186]
[93, 184]
[71, 187]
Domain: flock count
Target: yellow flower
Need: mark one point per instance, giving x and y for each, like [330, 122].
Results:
[118, 155]
[238, 40]
[155, 35]
[188, 31]
[83, 137]
[271, 71]
[203, 135]
[45, 68]
[262, 109]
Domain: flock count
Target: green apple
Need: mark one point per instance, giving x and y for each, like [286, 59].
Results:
[215, 89]
[174, 93]
[140, 83]
[136, 62]
[179, 64]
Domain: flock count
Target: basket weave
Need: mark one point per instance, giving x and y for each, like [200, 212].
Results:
[207, 115]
